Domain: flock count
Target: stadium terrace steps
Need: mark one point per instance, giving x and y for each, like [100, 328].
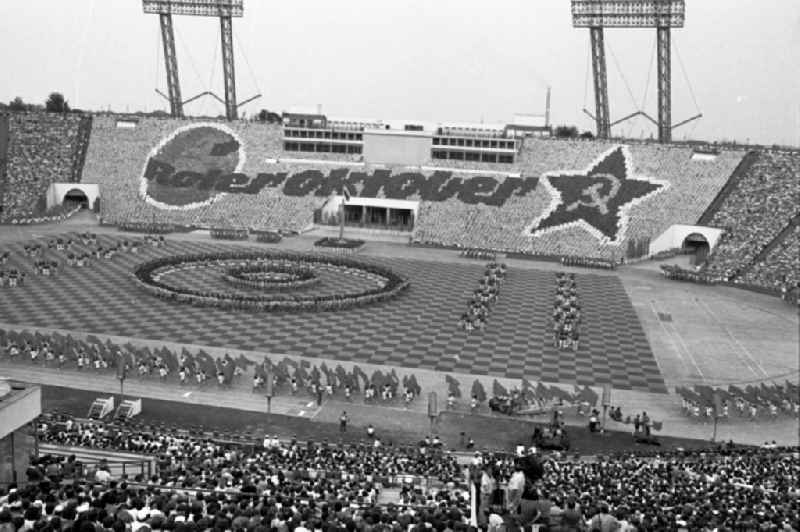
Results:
[730, 185]
[82, 145]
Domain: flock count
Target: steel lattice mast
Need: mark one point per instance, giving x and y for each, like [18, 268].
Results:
[225, 10]
[660, 14]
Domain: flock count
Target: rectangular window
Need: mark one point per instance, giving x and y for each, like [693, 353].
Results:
[494, 144]
[306, 147]
[457, 155]
[435, 141]
[460, 142]
[506, 159]
[489, 158]
[472, 156]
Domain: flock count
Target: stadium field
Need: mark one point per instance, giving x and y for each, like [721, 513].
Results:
[418, 329]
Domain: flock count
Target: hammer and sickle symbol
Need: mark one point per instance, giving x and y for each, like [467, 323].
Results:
[593, 192]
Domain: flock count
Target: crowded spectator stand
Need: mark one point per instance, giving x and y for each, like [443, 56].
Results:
[720, 488]
[279, 476]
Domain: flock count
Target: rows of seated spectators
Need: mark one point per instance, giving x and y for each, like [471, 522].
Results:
[760, 206]
[726, 489]
[693, 184]
[116, 157]
[187, 460]
[42, 148]
[779, 270]
[281, 487]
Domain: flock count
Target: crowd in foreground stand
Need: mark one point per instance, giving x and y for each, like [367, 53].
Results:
[291, 486]
[190, 461]
[722, 489]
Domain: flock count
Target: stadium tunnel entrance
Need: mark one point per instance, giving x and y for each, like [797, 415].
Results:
[698, 246]
[77, 196]
[84, 194]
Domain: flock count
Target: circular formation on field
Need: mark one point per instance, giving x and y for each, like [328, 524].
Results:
[272, 275]
[269, 281]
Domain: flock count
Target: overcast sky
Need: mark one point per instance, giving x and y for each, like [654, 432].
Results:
[446, 60]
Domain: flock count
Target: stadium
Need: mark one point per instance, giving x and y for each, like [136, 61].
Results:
[297, 320]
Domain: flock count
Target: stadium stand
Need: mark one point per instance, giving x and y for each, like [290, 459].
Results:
[43, 148]
[692, 186]
[202, 483]
[457, 214]
[462, 209]
[760, 211]
[700, 490]
[777, 267]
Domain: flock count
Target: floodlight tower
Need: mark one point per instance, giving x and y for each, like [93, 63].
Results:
[225, 10]
[660, 14]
